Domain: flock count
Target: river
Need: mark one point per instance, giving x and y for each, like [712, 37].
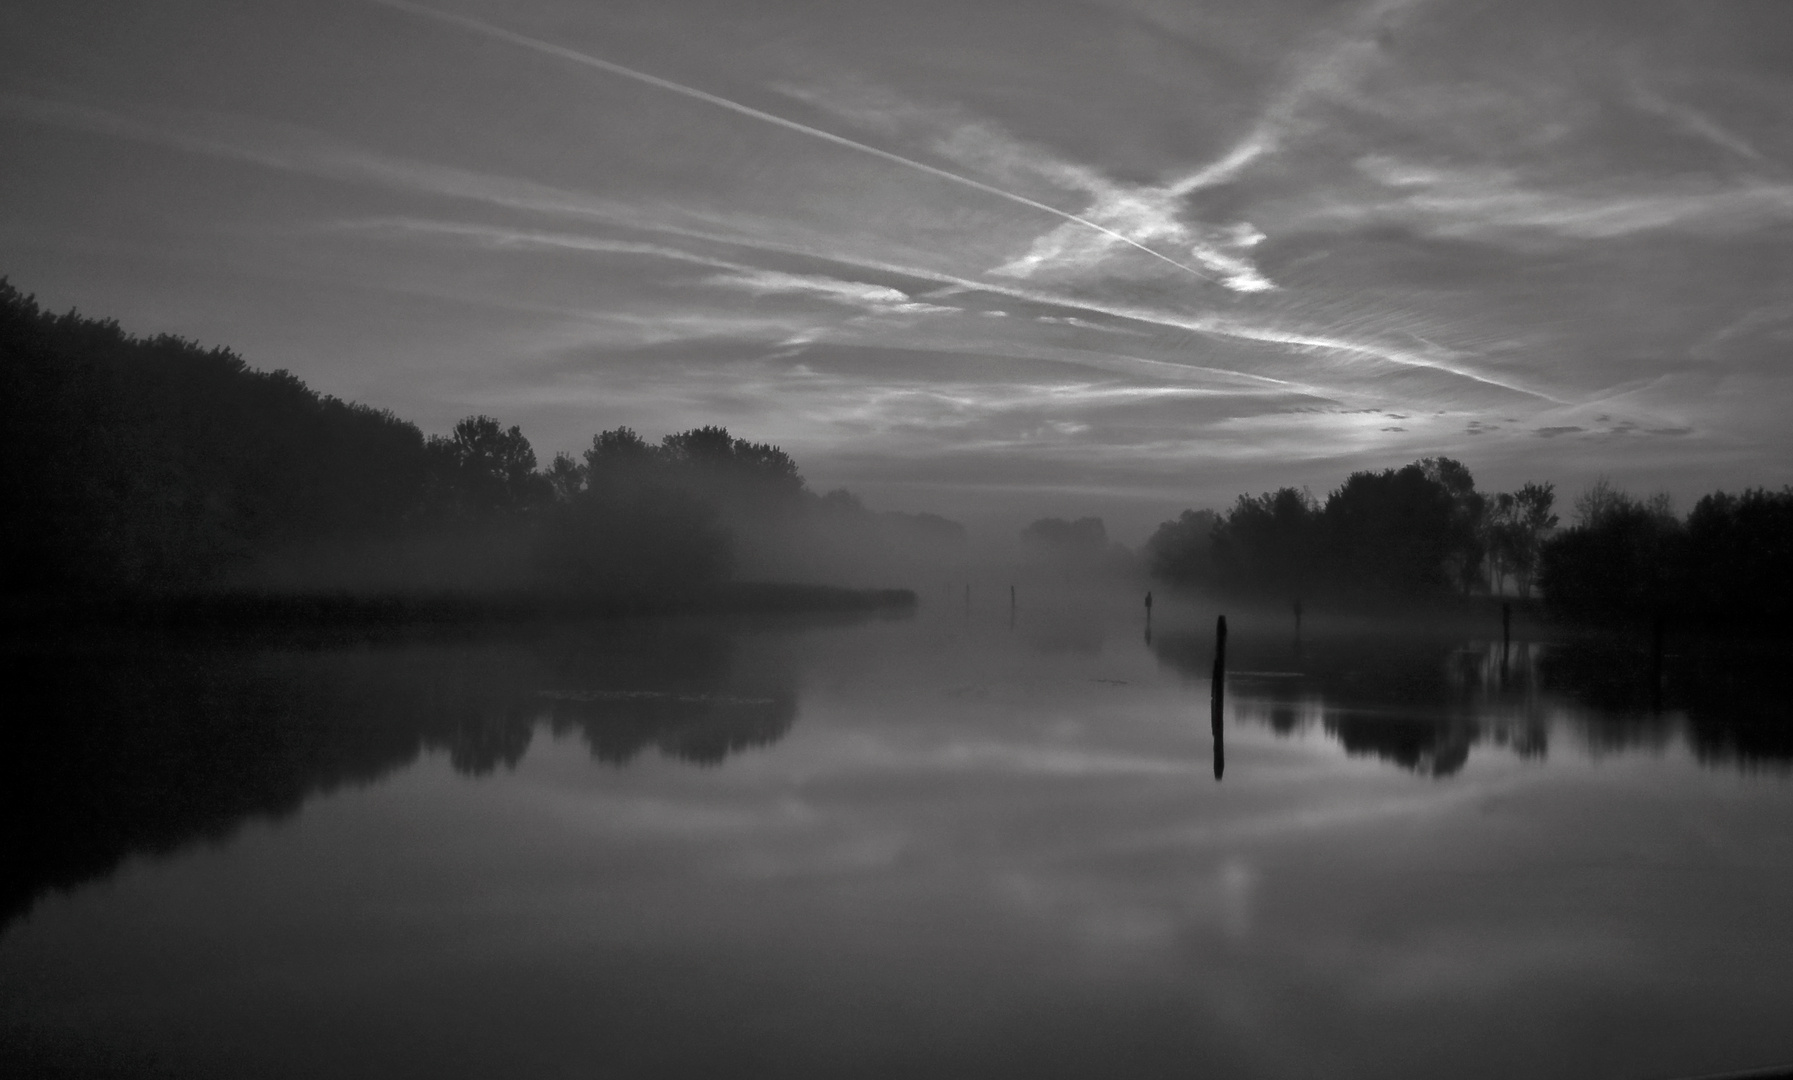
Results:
[976, 840]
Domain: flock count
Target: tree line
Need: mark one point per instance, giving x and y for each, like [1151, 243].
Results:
[156, 466]
[1424, 530]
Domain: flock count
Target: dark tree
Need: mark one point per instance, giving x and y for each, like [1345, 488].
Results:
[1270, 543]
[1084, 536]
[1624, 557]
[1182, 551]
[153, 464]
[1740, 556]
[493, 467]
[1406, 531]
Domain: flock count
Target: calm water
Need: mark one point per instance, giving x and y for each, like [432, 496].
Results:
[940, 845]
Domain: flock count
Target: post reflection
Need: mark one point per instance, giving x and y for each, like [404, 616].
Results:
[1424, 701]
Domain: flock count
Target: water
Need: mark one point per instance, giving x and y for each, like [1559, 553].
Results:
[952, 844]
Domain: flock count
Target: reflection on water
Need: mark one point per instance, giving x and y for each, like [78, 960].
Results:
[699, 728]
[145, 746]
[1423, 700]
[991, 847]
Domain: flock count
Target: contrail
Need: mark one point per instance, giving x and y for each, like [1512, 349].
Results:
[573, 55]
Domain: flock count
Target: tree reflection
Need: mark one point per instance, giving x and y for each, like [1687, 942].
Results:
[1728, 696]
[1424, 701]
[146, 746]
[699, 728]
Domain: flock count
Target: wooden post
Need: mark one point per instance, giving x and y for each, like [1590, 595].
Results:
[1219, 696]
[1656, 663]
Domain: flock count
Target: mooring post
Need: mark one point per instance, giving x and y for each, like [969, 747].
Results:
[1656, 663]
[1218, 696]
[1506, 636]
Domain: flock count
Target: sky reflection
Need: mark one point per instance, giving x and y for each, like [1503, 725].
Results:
[963, 849]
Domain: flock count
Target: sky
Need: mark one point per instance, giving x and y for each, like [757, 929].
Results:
[992, 259]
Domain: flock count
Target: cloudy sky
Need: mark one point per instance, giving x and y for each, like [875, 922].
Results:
[983, 257]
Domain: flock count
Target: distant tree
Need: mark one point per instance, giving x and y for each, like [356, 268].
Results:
[1532, 523]
[1085, 536]
[618, 448]
[842, 503]
[1624, 557]
[1740, 556]
[1514, 527]
[1500, 539]
[493, 466]
[1397, 531]
[1466, 546]
[746, 481]
[1182, 551]
[154, 464]
[1601, 502]
[566, 477]
[1270, 543]
[635, 538]
[930, 530]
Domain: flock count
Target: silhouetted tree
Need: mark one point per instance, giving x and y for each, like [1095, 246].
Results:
[155, 466]
[1182, 551]
[1086, 535]
[493, 466]
[1533, 522]
[1270, 543]
[745, 475]
[566, 478]
[151, 464]
[1515, 525]
[1623, 557]
[1417, 530]
[1408, 531]
[1740, 556]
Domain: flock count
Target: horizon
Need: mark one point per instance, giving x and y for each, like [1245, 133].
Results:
[998, 263]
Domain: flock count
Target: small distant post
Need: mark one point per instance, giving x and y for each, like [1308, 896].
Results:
[1298, 616]
[968, 597]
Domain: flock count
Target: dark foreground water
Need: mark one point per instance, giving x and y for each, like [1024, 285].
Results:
[946, 845]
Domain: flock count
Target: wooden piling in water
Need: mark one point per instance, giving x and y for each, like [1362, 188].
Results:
[1656, 663]
[1218, 696]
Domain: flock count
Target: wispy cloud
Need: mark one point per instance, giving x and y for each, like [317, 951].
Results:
[878, 298]
[1693, 122]
[1482, 202]
[1136, 215]
[1143, 215]
[294, 149]
[586, 59]
[1298, 341]
[1328, 71]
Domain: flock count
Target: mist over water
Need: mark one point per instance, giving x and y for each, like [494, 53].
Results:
[986, 838]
